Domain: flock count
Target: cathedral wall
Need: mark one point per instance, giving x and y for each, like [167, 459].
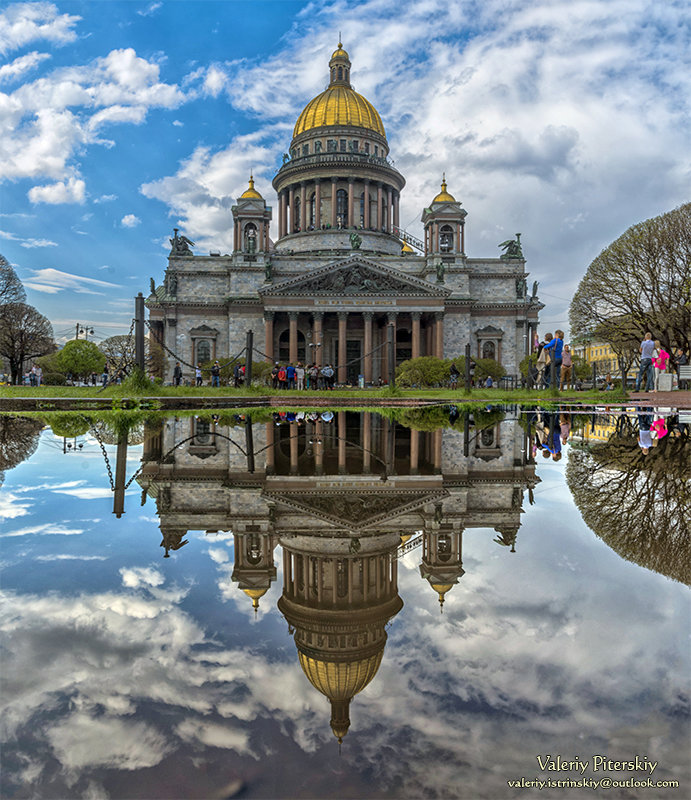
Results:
[456, 334]
[512, 345]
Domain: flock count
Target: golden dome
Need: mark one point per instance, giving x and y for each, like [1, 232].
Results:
[405, 537]
[444, 196]
[441, 589]
[339, 52]
[339, 105]
[404, 251]
[251, 193]
[340, 680]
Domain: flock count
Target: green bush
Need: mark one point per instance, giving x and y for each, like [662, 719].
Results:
[53, 379]
[68, 424]
[81, 358]
[432, 371]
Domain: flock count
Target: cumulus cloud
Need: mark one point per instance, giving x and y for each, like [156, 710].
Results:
[49, 528]
[21, 65]
[22, 23]
[130, 221]
[46, 122]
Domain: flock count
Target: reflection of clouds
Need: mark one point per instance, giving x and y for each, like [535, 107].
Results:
[84, 740]
[11, 507]
[525, 657]
[47, 528]
[86, 492]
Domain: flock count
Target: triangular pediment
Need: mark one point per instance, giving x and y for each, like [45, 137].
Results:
[356, 509]
[355, 276]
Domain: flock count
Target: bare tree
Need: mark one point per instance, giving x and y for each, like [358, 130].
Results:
[11, 289]
[119, 352]
[642, 281]
[637, 504]
[18, 440]
[24, 334]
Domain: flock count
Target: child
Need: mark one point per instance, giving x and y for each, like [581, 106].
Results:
[660, 360]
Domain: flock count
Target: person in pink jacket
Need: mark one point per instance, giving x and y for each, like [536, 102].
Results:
[660, 361]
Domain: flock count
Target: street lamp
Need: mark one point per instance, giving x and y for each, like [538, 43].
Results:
[84, 330]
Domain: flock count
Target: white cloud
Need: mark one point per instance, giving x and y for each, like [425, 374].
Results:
[46, 122]
[130, 221]
[67, 557]
[51, 281]
[178, 124]
[106, 198]
[29, 243]
[87, 493]
[21, 65]
[22, 23]
[70, 191]
[149, 10]
[136, 577]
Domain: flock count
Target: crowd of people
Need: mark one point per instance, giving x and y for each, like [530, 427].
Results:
[302, 376]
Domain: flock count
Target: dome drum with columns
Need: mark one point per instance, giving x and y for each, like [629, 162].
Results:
[320, 278]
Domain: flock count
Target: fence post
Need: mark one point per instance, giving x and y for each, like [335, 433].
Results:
[139, 331]
[120, 470]
[249, 350]
[467, 369]
[392, 356]
[249, 441]
[594, 376]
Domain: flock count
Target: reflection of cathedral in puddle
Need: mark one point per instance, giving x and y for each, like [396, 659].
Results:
[345, 497]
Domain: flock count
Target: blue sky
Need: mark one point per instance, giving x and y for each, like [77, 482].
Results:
[567, 121]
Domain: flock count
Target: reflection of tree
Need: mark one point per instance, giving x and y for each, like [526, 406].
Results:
[18, 440]
[638, 505]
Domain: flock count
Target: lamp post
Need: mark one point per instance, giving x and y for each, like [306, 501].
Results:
[86, 330]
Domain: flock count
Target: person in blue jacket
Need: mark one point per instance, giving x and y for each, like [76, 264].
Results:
[556, 346]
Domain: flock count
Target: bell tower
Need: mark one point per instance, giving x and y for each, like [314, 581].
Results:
[251, 219]
[444, 223]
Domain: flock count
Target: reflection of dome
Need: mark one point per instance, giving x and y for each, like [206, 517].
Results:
[441, 589]
[251, 193]
[406, 537]
[444, 196]
[406, 249]
[255, 594]
[340, 680]
[339, 105]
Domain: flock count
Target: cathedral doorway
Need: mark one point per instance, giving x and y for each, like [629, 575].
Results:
[353, 360]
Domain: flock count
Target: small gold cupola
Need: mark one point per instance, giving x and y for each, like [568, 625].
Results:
[444, 196]
[251, 193]
[339, 67]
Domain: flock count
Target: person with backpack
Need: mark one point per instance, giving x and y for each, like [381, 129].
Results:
[453, 375]
[282, 378]
[274, 376]
[216, 374]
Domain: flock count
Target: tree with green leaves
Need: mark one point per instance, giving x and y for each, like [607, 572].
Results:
[641, 282]
[80, 358]
[24, 334]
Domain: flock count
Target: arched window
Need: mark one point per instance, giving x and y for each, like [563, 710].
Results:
[342, 207]
[333, 74]
[203, 351]
[362, 209]
[489, 350]
[312, 210]
[284, 346]
[340, 73]
[202, 433]
[250, 238]
[296, 215]
[446, 239]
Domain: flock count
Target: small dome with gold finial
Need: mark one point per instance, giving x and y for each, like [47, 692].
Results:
[441, 589]
[444, 196]
[406, 250]
[251, 193]
[255, 594]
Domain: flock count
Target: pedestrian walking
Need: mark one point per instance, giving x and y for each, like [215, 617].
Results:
[274, 376]
[177, 374]
[282, 378]
[660, 361]
[198, 375]
[104, 375]
[646, 349]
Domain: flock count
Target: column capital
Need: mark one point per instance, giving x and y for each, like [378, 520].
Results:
[369, 315]
[334, 180]
[416, 315]
[269, 315]
[439, 315]
[351, 179]
[343, 314]
[293, 315]
[318, 315]
[391, 316]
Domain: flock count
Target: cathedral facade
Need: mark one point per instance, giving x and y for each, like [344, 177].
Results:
[342, 270]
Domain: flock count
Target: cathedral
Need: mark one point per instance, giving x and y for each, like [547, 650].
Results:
[342, 269]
